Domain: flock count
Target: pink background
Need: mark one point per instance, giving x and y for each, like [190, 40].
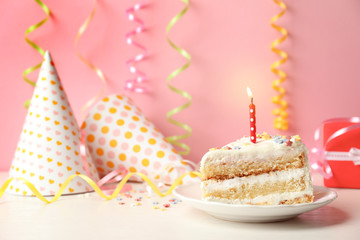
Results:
[229, 41]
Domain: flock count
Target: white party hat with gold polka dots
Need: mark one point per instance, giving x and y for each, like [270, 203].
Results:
[48, 151]
[119, 134]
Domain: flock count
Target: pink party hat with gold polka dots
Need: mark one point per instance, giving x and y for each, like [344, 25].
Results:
[48, 151]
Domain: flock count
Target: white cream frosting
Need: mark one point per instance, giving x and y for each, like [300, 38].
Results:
[262, 150]
[216, 185]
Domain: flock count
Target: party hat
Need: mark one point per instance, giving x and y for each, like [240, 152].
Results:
[48, 151]
[119, 135]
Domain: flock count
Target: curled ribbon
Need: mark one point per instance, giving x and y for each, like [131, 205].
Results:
[318, 159]
[175, 139]
[280, 113]
[96, 188]
[134, 84]
[35, 46]
[98, 71]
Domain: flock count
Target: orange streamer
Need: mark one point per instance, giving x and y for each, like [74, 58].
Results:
[280, 113]
[98, 71]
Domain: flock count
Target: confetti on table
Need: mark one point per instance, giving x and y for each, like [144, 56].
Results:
[139, 198]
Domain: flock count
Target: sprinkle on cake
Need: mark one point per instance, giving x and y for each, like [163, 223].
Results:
[274, 170]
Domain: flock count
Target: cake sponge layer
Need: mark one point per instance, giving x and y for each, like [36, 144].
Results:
[286, 187]
[228, 166]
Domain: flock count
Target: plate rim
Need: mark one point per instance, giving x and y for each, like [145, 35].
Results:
[333, 195]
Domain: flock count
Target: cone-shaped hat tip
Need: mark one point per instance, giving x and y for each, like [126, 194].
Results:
[47, 55]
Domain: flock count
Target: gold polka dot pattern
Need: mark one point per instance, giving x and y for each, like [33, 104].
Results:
[48, 150]
[118, 134]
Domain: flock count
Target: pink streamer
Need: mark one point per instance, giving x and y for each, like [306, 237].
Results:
[112, 177]
[317, 160]
[135, 83]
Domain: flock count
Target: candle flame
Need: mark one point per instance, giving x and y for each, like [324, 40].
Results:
[249, 92]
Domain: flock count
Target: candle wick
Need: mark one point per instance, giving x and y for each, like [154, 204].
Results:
[252, 100]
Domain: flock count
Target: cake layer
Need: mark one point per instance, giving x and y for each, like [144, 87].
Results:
[243, 158]
[228, 166]
[284, 187]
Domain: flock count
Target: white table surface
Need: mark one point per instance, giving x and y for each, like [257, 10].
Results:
[90, 217]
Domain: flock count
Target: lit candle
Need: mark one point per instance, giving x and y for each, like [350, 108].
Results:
[252, 117]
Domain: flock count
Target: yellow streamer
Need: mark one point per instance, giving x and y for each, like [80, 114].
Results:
[117, 190]
[175, 139]
[280, 113]
[36, 47]
[98, 72]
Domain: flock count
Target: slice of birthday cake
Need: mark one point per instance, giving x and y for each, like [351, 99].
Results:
[274, 170]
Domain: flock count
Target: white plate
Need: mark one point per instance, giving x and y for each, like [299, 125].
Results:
[191, 194]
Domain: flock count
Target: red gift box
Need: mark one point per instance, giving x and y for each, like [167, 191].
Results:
[346, 174]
